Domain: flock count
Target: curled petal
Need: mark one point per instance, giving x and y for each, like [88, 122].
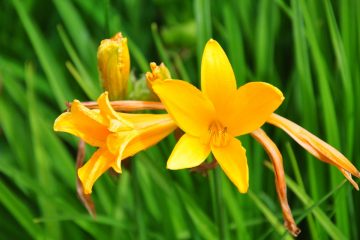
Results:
[162, 125]
[100, 161]
[117, 143]
[188, 152]
[277, 161]
[84, 123]
[114, 121]
[251, 107]
[150, 129]
[316, 146]
[232, 159]
[191, 110]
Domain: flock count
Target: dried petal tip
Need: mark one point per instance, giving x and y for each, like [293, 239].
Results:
[293, 229]
[114, 66]
[347, 175]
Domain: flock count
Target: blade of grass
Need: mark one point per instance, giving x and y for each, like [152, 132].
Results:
[221, 215]
[55, 77]
[164, 56]
[202, 13]
[278, 227]
[203, 224]
[42, 165]
[235, 45]
[345, 76]
[20, 211]
[138, 203]
[79, 33]
[308, 105]
[331, 123]
[322, 217]
[92, 90]
[235, 211]
[264, 42]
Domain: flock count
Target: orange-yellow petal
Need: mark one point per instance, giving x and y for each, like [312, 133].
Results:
[251, 107]
[218, 81]
[316, 146]
[232, 159]
[149, 136]
[117, 143]
[82, 122]
[150, 129]
[114, 121]
[140, 120]
[191, 110]
[100, 161]
[188, 152]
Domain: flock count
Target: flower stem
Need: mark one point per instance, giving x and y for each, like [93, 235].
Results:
[220, 214]
[139, 219]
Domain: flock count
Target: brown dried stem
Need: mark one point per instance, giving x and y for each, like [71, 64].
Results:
[85, 198]
[280, 183]
[125, 105]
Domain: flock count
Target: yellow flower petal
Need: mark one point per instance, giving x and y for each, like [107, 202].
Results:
[117, 143]
[82, 122]
[188, 152]
[191, 110]
[232, 160]
[114, 121]
[150, 135]
[100, 161]
[217, 77]
[251, 107]
[150, 129]
[140, 120]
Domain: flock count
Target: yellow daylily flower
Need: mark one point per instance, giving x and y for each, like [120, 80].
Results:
[213, 117]
[117, 135]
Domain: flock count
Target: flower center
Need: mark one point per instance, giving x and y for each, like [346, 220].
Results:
[218, 134]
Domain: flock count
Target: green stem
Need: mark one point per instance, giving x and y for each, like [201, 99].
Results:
[139, 218]
[107, 17]
[220, 214]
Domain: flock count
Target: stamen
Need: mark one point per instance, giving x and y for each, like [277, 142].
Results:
[217, 134]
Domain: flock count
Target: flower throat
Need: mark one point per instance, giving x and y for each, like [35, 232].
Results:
[217, 134]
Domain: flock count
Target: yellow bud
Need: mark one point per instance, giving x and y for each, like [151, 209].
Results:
[158, 73]
[114, 66]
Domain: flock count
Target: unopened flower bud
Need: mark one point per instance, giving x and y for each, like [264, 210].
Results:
[158, 72]
[114, 66]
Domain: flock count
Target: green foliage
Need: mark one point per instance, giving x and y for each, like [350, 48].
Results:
[309, 49]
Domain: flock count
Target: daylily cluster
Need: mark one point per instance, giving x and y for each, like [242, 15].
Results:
[211, 120]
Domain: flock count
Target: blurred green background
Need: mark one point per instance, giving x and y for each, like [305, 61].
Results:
[309, 49]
